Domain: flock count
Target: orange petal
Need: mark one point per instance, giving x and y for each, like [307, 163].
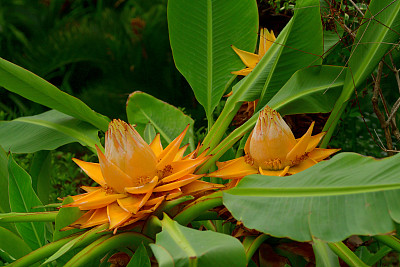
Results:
[90, 189]
[180, 153]
[155, 201]
[300, 148]
[302, 166]
[272, 173]
[237, 168]
[249, 59]
[199, 186]
[114, 177]
[82, 220]
[266, 40]
[315, 139]
[143, 189]
[95, 200]
[242, 72]
[136, 218]
[183, 167]
[156, 145]
[193, 154]
[117, 215]
[98, 217]
[93, 170]
[168, 154]
[130, 203]
[178, 183]
[319, 154]
[174, 193]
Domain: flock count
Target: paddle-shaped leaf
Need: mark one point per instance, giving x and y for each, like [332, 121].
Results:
[347, 188]
[140, 258]
[167, 120]
[379, 31]
[13, 244]
[22, 199]
[4, 200]
[201, 34]
[32, 87]
[177, 245]
[46, 131]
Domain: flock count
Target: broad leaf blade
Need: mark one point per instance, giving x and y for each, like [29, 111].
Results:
[22, 199]
[166, 119]
[201, 35]
[46, 131]
[4, 200]
[40, 172]
[182, 246]
[140, 258]
[302, 206]
[13, 244]
[32, 87]
[65, 217]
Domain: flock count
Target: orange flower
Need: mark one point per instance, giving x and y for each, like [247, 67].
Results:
[135, 178]
[250, 59]
[271, 149]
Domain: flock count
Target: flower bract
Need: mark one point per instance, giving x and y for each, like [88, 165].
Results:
[272, 149]
[251, 59]
[135, 178]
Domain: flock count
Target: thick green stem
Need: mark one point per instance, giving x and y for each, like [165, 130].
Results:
[105, 244]
[14, 217]
[251, 244]
[390, 241]
[198, 207]
[346, 254]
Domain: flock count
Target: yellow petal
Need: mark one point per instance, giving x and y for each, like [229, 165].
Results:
[249, 59]
[300, 148]
[117, 215]
[237, 168]
[183, 167]
[93, 170]
[155, 201]
[98, 217]
[114, 177]
[95, 200]
[302, 166]
[199, 186]
[135, 218]
[242, 72]
[315, 139]
[143, 189]
[90, 189]
[181, 151]
[178, 183]
[168, 154]
[174, 193]
[82, 220]
[266, 40]
[319, 154]
[273, 173]
[156, 145]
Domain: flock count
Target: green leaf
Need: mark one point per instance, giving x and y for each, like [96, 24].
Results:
[177, 245]
[4, 199]
[166, 119]
[13, 244]
[306, 205]
[201, 34]
[34, 88]
[65, 217]
[40, 172]
[376, 35]
[140, 258]
[46, 131]
[22, 199]
[149, 133]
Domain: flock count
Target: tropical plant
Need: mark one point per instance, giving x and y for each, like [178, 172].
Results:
[153, 204]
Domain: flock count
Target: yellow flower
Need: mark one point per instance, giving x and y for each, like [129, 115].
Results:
[271, 149]
[250, 59]
[135, 178]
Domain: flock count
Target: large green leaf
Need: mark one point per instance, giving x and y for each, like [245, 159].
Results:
[166, 119]
[22, 199]
[4, 201]
[40, 171]
[305, 92]
[13, 244]
[346, 195]
[46, 131]
[379, 31]
[140, 258]
[201, 34]
[32, 87]
[177, 245]
[295, 48]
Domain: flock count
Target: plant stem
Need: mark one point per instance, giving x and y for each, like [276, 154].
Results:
[390, 241]
[346, 254]
[251, 244]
